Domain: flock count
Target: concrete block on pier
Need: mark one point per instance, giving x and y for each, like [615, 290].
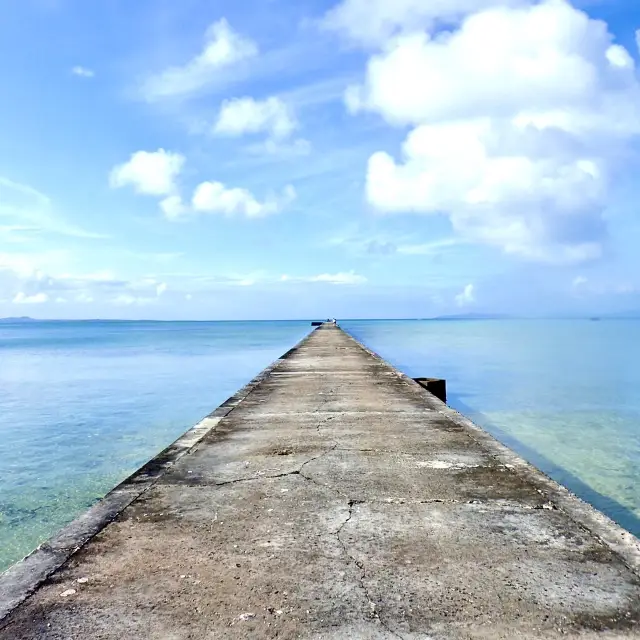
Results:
[437, 386]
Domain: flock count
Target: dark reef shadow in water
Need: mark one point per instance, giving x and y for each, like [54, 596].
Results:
[612, 508]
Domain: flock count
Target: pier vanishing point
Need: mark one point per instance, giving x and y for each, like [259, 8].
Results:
[331, 498]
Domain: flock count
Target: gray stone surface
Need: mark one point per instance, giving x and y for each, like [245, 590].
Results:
[332, 498]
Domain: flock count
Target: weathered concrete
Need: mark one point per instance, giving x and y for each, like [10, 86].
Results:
[332, 498]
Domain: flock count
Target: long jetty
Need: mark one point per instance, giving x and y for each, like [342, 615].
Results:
[333, 497]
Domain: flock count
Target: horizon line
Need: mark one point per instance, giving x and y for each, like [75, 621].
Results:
[452, 317]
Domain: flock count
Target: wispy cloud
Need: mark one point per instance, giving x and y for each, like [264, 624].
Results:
[83, 72]
[25, 264]
[386, 245]
[329, 278]
[29, 279]
[23, 298]
[431, 248]
[320, 92]
[280, 150]
[582, 287]
[222, 49]
[27, 210]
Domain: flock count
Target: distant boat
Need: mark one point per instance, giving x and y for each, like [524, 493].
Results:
[594, 319]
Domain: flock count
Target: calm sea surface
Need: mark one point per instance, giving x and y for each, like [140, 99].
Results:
[83, 404]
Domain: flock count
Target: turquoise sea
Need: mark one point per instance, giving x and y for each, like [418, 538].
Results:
[83, 404]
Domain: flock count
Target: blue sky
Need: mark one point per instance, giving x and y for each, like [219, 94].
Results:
[275, 159]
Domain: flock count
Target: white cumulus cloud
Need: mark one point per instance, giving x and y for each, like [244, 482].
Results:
[466, 296]
[519, 115]
[149, 172]
[173, 207]
[215, 197]
[373, 22]
[223, 48]
[240, 116]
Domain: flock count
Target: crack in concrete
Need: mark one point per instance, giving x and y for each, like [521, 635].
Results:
[351, 502]
[327, 419]
[254, 478]
[294, 472]
[304, 464]
[373, 613]
[333, 447]
[408, 453]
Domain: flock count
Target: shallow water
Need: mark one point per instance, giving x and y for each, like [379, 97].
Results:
[565, 394]
[83, 404]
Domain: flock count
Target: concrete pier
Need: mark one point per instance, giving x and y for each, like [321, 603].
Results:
[333, 497]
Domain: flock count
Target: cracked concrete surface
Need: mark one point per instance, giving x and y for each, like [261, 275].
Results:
[337, 499]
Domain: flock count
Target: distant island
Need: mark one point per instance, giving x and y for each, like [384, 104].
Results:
[626, 315]
[19, 319]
